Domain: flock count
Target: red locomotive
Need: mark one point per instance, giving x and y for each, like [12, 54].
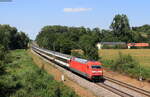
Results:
[90, 69]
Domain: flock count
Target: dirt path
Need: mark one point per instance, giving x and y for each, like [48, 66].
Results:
[129, 80]
[82, 92]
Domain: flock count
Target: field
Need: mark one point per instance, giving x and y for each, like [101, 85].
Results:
[140, 55]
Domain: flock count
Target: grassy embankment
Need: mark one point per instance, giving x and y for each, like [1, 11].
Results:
[25, 79]
[141, 56]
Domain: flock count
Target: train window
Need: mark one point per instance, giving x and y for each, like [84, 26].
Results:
[61, 59]
[96, 66]
[80, 60]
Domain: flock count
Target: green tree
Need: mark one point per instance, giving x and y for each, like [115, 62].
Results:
[121, 28]
[143, 33]
[87, 44]
[10, 38]
[63, 44]
[145, 29]
[5, 31]
[64, 39]
[22, 41]
[120, 25]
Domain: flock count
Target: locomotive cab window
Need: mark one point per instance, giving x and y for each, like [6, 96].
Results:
[96, 67]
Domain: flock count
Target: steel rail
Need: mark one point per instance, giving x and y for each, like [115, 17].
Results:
[136, 89]
[114, 90]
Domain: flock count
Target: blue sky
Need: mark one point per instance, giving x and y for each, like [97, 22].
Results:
[31, 15]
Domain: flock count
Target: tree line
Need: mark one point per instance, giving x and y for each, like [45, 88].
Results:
[64, 39]
[11, 39]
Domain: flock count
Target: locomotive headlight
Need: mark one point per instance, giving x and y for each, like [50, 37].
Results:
[100, 71]
[96, 71]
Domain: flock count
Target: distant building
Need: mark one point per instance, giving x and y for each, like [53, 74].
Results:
[137, 45]
[100, 45]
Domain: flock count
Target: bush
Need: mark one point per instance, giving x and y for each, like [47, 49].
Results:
[4, 59]
[125, 64]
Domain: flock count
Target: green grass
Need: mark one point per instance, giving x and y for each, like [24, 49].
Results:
[132, 62]
[25, 79]
[140, 55]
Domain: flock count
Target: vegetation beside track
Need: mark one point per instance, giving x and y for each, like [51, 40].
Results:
[24, 79]
[130, 62]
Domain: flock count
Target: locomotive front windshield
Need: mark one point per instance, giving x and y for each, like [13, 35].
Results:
[96, 67]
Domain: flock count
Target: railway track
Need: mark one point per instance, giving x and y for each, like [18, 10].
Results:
[114, 90]
[109, 87]
[133, 88]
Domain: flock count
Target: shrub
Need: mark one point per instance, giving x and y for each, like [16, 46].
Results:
[4, 59]
[126, 64]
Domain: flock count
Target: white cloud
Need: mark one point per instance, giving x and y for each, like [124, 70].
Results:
[76, 9]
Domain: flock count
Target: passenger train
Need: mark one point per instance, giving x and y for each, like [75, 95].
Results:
[89, 69]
